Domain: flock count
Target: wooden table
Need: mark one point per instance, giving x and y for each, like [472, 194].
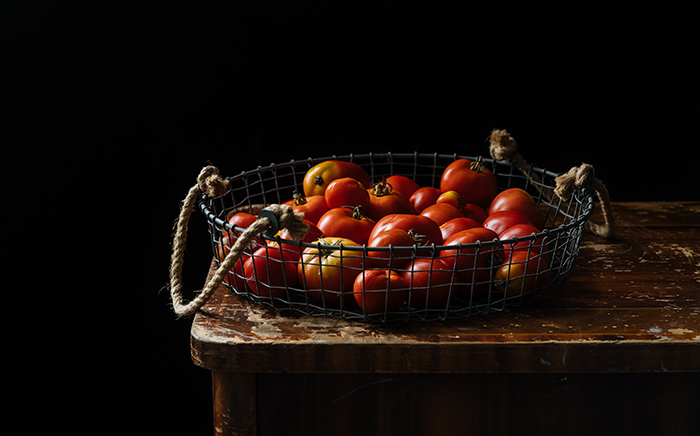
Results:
[615, 351]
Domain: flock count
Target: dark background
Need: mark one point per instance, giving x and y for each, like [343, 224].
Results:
[117, 106]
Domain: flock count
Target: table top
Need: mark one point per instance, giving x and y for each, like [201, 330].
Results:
[631, 304]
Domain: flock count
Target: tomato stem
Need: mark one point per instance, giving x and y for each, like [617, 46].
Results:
[318, 181]
[477, 165]
[299, 198]
[381, 188]
[417, 239]
[357, 212]
[327, 250]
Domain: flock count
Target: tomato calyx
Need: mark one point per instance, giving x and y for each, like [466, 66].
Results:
[495, 260]
[501, 285]
[326, 248]
[478, 165]
[299, 198]
[318, 181]
[356, 212]
[417, 239]
[382, 188]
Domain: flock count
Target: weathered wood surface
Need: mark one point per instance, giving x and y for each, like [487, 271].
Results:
[632, 304]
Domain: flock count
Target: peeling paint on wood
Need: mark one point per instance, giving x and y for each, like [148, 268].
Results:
[634, 300]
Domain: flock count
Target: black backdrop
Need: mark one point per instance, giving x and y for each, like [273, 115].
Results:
[124, 103]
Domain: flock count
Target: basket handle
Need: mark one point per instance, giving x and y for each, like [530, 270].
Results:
[274, 216]
[502, 146]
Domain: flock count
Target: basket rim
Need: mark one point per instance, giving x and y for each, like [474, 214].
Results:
[587, 204]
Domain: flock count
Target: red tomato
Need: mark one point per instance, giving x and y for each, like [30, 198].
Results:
[522, 274]
[320, 175]
[294, 249]
[519, 231]
[430, 281]
[346, 222]
[224, 247]
[470, 210]
[269, 271]
[243, 220]
[457, 225]
[475, 212]
[472, 180]
[499, 222]
[520, 201]
[384, 201]
[402, 185]
[236, 277]
[312, 235]
[394, 238]
[328, 272]
[473, 264]
[421, 226]
[441, 213]
[380, 291]
[346, 192]
[312, 207]
[424, 197]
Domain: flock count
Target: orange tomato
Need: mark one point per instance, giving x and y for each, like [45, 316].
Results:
[318, 177]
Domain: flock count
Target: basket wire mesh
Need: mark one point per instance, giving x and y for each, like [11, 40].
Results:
[252, 190]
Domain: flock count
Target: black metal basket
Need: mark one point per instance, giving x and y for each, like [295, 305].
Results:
[252, 190]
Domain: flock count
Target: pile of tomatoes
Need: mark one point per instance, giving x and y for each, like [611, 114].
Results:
[375, 243]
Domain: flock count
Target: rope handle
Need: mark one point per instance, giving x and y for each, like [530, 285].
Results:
[502, 146]
[270, 219]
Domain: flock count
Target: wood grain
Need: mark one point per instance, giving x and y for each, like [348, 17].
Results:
[632, 304]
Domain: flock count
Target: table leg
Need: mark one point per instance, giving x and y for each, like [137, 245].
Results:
[235, 403]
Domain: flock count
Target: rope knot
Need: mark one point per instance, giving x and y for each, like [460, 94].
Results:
[575, 178]
[287, 218]
[210, 182]
[502, 146]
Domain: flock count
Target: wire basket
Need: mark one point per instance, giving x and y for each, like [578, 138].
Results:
[466, 291]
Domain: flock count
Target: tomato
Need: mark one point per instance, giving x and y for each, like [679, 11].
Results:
[469, 210]
[236, 276]
[269, 271]
[451, 197]
[430, 281]
[457, 225]
[312, 207]
[402, 185]
[384, 201]
[346, 222]
[224, 246]
[518, 200]
[243, 220]
[294, 249]
[346, 191]
[421, 226]
[312, 235]
[380, 291]
[522, 274]
[473, 264]
[470, 179]
[320, 175]
[328, 272]
[475, 212]
[424, 197]
[394, 238]
[519, 231]
[441, 213]
[503, 220]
